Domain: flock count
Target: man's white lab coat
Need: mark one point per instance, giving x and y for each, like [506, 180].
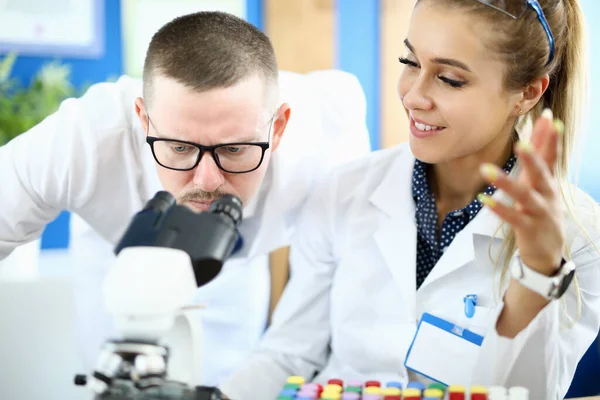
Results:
[91, 158]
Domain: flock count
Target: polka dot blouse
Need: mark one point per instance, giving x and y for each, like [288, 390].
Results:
[429, 249]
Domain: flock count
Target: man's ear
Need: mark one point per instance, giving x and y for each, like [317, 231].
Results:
[532, 94]
[279, 125]
[140, 110]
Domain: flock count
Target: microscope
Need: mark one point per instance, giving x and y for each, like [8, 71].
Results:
[166, 253]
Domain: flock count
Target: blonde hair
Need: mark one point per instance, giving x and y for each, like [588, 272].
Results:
[522, 45]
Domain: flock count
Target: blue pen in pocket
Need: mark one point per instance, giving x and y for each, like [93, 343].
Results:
[470, 301]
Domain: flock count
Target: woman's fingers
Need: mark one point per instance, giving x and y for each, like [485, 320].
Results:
[527, 199]
[540, 129]
[546, 138]
[539, 175]
[517, 219]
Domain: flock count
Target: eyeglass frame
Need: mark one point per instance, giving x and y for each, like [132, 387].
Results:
[535, 4]
[212, 149]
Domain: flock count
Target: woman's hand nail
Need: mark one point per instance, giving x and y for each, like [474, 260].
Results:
[489, 171]
[524, 146]
[559, 126]
[486, 200]
[547, 113]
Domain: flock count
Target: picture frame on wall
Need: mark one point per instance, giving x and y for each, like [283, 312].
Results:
[52, 27]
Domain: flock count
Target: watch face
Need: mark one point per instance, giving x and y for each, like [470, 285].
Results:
[566, 281]
[208, 393]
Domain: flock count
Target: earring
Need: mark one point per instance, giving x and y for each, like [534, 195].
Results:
[520, 111]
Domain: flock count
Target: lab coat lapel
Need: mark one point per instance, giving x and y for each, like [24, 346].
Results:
[462, 249]
[396, 236]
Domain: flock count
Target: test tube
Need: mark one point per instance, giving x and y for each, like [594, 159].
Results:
[416, 385]
[518, 393]
[395, 384]
[456, 392]
[391, 391]
[412, 394]
[355, 383]
[295, 379]
[433, 393]
[478, 393]
[497, 393]
[331, 387]
[335, 381]
[373, 390]
[372, 396]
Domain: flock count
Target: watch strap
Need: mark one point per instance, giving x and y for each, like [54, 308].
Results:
[550, 287]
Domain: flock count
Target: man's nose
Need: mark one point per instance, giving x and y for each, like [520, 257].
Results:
[207, 175]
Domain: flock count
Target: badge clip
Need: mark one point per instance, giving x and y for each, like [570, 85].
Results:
[470, 301]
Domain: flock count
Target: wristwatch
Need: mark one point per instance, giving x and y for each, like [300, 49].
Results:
[550, 287]
[208, 393]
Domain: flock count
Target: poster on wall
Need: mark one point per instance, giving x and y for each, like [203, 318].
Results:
[142, 18]
[72, 28]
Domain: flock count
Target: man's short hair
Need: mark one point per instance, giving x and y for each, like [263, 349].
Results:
[208, 50]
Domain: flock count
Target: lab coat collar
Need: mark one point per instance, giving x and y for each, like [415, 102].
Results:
[462, 249]
[396, 237]
[273, 231]
[393, 195]
[251, 206]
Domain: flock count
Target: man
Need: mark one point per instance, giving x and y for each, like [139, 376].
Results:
[208, 122]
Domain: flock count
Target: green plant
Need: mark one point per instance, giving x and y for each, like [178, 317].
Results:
[21, 108]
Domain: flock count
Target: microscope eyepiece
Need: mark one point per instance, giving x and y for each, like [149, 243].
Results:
[161, 202]
[229, 206]
[209, 238]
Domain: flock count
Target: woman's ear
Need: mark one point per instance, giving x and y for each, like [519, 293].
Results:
[533, 93]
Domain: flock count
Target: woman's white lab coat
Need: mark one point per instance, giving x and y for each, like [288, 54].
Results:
[352, 307]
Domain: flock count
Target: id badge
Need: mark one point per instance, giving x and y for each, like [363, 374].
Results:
[443, 351]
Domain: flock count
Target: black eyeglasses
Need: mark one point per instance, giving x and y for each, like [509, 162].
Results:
[516, 9]
[234, 158]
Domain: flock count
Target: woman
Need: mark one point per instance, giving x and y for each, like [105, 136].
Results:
[403, 233]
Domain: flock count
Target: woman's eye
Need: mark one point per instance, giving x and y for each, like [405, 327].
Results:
[408, 63]
[452, 82]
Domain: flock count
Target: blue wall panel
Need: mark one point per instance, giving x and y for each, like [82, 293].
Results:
[255, 13]
[357, 33]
